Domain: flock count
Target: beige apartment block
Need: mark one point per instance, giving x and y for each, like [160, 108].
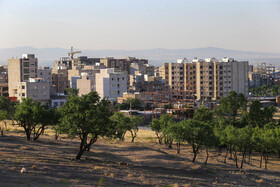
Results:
[86, 84]
[205, 87]
[211, 79]
[231, 75]
[60, 81]
[111, 84]
[20, 70]
[78, 71]
[46, 74]
[35, 88]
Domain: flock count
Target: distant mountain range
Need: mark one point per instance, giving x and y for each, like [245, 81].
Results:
[47, 56]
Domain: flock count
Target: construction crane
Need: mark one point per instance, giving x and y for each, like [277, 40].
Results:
[71, 54]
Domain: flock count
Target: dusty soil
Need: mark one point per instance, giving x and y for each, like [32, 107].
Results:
[115, 163]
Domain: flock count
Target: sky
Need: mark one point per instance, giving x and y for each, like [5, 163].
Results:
[251, 25]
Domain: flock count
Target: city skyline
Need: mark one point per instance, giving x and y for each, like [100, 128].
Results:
[130, 25]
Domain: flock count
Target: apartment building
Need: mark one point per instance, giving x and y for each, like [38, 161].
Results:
[86, 84]
[85, 61]
[176, 75]
[231, 75]
[4, 89]
[46, 74]
[211, 79]
[60, 81]
[78, 71]
[111, 84]
[66, 62]
[35, 88]
[20, 70]
[118, 64]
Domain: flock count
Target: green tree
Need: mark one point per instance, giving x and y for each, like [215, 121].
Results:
[244, 142]
[30, 115]
[230, 105]
[196, 133]
[156, 126]
[87, 117]
[265, 140]
[135, 121]
[121, 124]
[160, 127]
[259, 117]
[134, 104]
[7, 110]
[178, 132]
[203, 114]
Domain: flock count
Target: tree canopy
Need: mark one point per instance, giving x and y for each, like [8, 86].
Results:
[87, 117]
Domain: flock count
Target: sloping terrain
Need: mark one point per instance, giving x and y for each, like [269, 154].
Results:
[115, 163]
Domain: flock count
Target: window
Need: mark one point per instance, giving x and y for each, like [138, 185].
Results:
[26, 70]
[23, 87]
[23, 94]
[112, 79]
[25, 64]
[26, 77]
[122, 78]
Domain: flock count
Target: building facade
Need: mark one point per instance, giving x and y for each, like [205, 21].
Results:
[35, 88]
[20, 70]
[111, 84]
[210, 79]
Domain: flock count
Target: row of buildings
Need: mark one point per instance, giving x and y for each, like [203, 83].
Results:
[211, 79]
[108, 76]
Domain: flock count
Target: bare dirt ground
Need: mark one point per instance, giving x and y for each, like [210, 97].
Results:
[115, 163]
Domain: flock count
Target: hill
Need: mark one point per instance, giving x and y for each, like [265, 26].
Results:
[156, 57]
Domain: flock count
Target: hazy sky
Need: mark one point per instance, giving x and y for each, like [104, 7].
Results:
[141, 24]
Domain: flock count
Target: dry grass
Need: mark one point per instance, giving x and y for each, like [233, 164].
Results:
[144, 162]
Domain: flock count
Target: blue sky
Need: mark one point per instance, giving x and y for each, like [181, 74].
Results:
[141, 24]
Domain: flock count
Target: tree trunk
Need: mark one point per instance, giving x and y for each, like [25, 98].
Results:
[266, 160]
[81, 152]
[242, 161]
[56, 135]
[261, 160]
[159, 138]
[207, 155]
[236, 159]
[28, 134]
[225, 160]
[249, 159]
[133, 136]
[178, 147]
[194, 153]
[170, 141]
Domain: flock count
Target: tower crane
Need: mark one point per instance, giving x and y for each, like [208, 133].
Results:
[71, 54]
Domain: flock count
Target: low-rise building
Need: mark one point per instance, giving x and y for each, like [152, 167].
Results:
[86, 84]
[36, 88]
[111, 84]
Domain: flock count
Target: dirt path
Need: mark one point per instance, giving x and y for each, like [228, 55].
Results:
[114, 163]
